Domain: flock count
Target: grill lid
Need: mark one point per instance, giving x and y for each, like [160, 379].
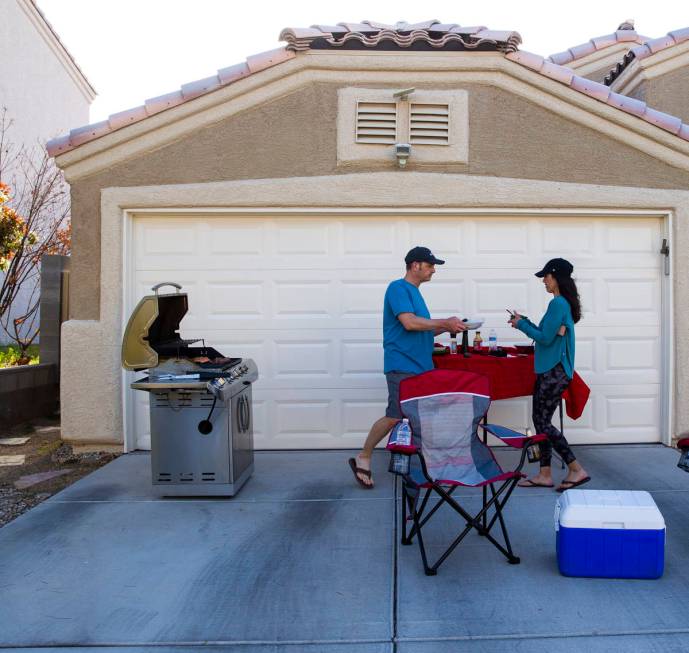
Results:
[153, 328]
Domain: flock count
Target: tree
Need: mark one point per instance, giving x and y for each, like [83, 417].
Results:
[34, 200]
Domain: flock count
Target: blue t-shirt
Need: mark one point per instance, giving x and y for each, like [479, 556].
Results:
[405, 351]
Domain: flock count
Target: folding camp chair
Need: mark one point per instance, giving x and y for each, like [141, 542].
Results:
[444, 409]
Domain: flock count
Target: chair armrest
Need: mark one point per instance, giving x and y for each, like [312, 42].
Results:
[513, 438]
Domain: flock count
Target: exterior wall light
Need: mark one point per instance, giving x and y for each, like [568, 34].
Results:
[402, 152]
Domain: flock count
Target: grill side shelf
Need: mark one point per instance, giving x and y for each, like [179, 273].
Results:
[147, 384]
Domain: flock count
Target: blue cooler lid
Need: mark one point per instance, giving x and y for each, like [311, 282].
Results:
[620, 509]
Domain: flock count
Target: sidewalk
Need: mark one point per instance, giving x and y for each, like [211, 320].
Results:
[305, 560]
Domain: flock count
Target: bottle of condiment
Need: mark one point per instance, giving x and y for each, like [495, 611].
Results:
[453, 343]
[478, 341]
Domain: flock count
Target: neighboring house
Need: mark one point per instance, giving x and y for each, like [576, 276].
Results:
[596, 58]
[271, 191]
[656, 72]
[41, 86]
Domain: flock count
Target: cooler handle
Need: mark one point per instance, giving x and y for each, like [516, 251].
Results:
[166, 283]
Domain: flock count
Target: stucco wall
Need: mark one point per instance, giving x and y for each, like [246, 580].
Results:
[670, 93]
[295, 136]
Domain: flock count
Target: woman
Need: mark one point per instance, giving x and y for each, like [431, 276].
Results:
[554, 366]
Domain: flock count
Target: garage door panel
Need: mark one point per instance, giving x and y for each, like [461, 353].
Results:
[302, 296]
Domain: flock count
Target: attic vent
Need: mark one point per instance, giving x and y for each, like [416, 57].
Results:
[429, 124]
[376, 122]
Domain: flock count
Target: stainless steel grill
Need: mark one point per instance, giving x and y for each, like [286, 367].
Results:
[200, 401]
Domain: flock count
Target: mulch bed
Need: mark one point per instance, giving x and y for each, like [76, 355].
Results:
[44, 452]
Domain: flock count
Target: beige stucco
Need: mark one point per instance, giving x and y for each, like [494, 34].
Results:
[270, 141]
[295, 135]
[661, 80]
[92, 411]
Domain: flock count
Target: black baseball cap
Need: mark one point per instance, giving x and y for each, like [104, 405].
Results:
[422, 255]
[558, 266]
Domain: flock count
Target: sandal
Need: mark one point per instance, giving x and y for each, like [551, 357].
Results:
[360, 470]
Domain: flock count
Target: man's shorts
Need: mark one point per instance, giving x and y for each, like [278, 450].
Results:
[394, 379]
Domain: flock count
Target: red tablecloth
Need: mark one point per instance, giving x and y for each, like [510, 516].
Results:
[509, 377]
[513, 376]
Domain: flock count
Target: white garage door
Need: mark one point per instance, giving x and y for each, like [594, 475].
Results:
[302, 296]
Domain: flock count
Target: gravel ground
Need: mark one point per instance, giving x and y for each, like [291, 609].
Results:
[44, 452]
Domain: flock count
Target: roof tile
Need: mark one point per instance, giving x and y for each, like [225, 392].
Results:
[662, 43]
[559, 73]
[561, 58]
[263, 60]
[627, 104]
[162, 102]
[88, 132]
[528, 59]
[579, 51]
[600, 42]
[233, 73]
[124, 118]
[199, 87]
[593, 89]
[680, 35]
[663, 120]
[641, 51]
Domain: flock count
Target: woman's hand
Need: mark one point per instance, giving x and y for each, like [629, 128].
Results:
[514, 320]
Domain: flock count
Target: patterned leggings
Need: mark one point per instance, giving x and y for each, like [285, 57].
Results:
[546, 398]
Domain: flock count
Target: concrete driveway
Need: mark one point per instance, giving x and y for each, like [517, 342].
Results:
[304, 560]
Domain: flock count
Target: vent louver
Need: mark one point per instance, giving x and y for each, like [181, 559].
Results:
[429, 124]
[376, 122]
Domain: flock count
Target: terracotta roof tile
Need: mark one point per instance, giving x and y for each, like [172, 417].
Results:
[162, 102]
[600, 92]
[155, 105]
[628, 104]
[646, 49]
[559, 73]
[589, 87]
[625, 33]
[370, 34]
[680, 35]
[124, 118]
[663, 120]
[88, 132]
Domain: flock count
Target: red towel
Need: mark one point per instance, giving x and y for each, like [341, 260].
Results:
[576, 395]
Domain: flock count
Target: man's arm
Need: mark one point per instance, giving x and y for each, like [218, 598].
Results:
[413, 322]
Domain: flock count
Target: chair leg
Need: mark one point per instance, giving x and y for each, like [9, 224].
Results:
[430, 571]
[406, 502]
[511, 558]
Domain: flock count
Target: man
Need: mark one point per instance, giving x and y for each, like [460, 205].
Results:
[408, 332]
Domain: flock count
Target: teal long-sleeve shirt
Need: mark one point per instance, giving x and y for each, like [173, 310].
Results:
[551, 348]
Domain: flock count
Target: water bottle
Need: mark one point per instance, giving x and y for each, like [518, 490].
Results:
[401, 434]
[492, 340]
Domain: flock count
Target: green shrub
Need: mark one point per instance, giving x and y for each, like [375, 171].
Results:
[9, 355]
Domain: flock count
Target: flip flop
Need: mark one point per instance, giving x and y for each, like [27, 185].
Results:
[571, 485]
[360, 470]
[529, 483]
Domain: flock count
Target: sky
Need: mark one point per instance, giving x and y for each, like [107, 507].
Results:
[132, 50]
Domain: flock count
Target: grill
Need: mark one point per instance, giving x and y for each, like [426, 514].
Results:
[202, 441]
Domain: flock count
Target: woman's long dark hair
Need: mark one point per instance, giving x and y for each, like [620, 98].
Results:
[568, 289]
